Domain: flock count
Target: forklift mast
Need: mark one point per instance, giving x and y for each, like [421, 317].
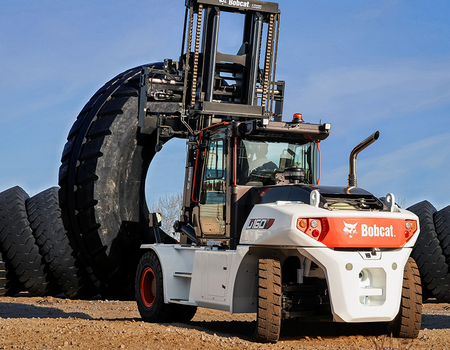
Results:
[231, 85]
[207, 87]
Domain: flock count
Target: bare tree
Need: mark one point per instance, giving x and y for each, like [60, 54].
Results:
[169, 206]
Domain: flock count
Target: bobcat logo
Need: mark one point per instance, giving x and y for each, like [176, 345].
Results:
[350, 229]
[223, 1]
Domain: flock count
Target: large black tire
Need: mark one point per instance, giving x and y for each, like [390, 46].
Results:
[102, 179]
[44, 214]
[428, 254]
[18, 244]
[442, 223]
[268, 322]
[409, 318]
[9, 283]
[149, 294]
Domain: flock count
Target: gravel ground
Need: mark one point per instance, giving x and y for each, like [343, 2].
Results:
[54, 323]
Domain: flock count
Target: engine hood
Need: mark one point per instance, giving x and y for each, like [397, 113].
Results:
[344, 198]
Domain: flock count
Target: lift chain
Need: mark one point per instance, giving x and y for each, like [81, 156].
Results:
[196, 52]
[267, 62]
[274, 55]
[188, 56]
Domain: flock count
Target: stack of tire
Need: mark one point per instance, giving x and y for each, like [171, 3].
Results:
[432, 250]
[35, 254]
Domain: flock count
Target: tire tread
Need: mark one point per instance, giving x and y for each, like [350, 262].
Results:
[269, 301]
[19, 245]
[429, 256]
[51, 237]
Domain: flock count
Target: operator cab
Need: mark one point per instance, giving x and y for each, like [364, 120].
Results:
[231, 164]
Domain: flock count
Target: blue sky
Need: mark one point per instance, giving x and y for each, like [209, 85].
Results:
[360, 65]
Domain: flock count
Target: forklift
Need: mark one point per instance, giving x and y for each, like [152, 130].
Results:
[258, 232]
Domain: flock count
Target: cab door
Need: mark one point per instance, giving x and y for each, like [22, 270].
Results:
[213, 189]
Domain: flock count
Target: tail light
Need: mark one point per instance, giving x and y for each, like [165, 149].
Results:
[316, 228]
[410, 229]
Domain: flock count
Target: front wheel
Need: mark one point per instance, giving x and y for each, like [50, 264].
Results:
[149, 292]
[409, 318]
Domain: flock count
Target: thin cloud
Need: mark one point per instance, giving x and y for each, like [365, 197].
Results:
[376, 10]
[416, 171]
[387, 89]
[427, 155]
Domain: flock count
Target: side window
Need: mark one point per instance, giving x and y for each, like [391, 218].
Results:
[215, 168]
[212, 204]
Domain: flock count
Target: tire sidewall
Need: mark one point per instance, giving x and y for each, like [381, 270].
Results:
[121, 172]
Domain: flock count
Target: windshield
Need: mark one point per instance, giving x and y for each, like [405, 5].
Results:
[259, 162]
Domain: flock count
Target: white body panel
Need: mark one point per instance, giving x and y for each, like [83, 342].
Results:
[201, 276]
[353, 300]
[362, 286]
[177, 263]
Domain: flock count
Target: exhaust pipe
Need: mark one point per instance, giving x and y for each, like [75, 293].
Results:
[352, 177]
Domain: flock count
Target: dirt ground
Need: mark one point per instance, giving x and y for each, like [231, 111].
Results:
[54, 323]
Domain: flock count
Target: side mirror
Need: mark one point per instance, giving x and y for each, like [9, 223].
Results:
[155, 220]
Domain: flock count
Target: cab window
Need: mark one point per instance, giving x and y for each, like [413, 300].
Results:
[212, 201]
[259, 162]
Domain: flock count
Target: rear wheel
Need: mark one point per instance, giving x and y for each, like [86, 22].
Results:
[268, 323]
[409, 318]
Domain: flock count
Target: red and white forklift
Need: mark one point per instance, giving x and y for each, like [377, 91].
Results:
[259, 234]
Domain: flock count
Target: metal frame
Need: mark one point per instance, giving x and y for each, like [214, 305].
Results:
[178, 99]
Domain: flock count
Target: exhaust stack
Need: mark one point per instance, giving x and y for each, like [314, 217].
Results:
[352, 176]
